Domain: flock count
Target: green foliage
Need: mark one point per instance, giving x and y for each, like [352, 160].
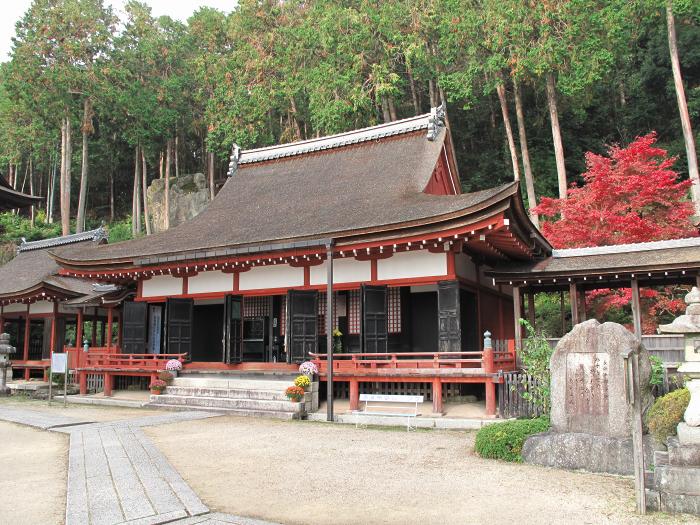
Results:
[120, 231]
[535, 356]
[666, 412]
[505, 440]
[15, 227]
[657, 371]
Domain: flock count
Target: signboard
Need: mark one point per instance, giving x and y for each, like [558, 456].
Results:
[155, 325]
[59, 363]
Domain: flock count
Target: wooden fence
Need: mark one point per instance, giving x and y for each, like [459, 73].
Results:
[669, 348]
[511, 401]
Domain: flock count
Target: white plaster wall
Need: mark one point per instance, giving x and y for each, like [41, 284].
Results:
[162, 285]
[344, 271]
[205, 282]
[421, 263]
[464, 267]
[41, 307]
[14, 307]
[277, 276]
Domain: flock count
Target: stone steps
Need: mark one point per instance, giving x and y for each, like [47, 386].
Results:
[227, 402]
[232, 383]
[235, 393]
[257, 395]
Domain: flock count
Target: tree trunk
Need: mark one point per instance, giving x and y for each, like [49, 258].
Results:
[525, 151]
[414, 94]
[177, 165]
[501, 90]
[86, 130]
[66, 154]
[210, 172]
[683, 110]
[52, 194]
[144, 177]
[31, 190]
[295, 120]
[111, 193]
[431, 91]
[556, 134]
[385, 110]
[168, 158]
[160, 166]
[392, 109]
[136, 194]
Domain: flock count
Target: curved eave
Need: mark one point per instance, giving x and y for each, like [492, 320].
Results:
[35, 292]
[507, 199]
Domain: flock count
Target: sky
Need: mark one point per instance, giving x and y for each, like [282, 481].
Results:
[12, 10]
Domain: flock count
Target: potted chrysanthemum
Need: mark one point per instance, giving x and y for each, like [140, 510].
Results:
[303, 381]
[173, 366]
[157, 386]
[294, 393]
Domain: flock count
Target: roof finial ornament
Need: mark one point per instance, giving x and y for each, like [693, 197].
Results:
[436, 121]
[235, 156]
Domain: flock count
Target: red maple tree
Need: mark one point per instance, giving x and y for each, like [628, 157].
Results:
[631, 195]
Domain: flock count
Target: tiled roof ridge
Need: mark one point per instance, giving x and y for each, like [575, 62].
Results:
[431, 122]
[686, 242]
[96, 235]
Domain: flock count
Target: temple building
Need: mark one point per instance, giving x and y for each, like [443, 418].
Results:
[244, 284]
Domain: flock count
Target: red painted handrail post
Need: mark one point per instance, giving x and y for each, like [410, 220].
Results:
[489, 368]
[354, 394]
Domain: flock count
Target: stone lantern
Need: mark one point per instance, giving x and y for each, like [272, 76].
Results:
[5, 350]
[689, 325]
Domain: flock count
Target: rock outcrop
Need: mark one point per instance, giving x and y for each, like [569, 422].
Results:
[189, 195]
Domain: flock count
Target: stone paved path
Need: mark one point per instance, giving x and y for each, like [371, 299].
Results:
[117, 476]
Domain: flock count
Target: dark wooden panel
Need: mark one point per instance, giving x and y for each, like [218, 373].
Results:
[134, 327]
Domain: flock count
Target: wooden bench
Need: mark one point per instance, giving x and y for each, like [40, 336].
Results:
[389, 405]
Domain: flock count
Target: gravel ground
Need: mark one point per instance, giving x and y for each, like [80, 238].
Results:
[315, 473]
[33, 479]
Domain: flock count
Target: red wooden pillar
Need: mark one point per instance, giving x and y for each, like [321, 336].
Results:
[437, 396]
[490, 398]
[108, 384]
[79, 331]
[354, 394]
[25, 353]
[110, 314]
[82, 381]
[2, 318]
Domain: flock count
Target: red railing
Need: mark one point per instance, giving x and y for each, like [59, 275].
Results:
[500, 360]
[97, 358]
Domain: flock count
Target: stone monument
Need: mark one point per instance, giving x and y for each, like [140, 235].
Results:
[5, 365]
[675, 482]
[590, 417]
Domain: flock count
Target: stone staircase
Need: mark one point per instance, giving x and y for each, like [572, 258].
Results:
[257, 394]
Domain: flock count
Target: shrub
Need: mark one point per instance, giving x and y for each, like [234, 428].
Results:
[302, 381]
[505, 440]
[657, 371]
[535, 355]
[666, 412]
